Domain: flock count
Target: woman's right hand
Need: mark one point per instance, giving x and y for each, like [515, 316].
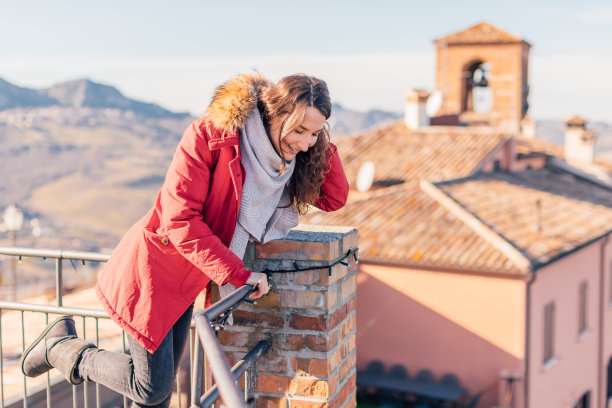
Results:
[261, 280]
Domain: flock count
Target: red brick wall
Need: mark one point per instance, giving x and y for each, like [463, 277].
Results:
[308, 318]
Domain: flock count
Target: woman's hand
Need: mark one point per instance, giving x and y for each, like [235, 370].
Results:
[261, 280]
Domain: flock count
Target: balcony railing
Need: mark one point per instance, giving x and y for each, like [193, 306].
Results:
[205, 351]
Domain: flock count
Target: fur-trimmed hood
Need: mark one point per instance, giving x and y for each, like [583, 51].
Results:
[234, 100]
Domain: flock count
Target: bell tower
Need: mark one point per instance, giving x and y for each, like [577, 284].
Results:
[482, 77]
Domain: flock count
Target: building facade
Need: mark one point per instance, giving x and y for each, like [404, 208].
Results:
[484, 253]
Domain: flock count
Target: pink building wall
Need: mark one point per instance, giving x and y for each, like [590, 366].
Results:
[470, 325]
[473, 325]
[573, 370]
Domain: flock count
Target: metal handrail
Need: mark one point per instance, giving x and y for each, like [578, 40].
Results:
[72, 311]
[55, 253]
[212, 348]
[212, 395]
[203, 320]
[58, 255]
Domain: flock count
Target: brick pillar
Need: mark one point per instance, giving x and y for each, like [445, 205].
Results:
[308, 318]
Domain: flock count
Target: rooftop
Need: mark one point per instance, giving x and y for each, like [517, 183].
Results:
[483, 33]
[436, 153]
[473, 218]
[404, 225]
[544, 213]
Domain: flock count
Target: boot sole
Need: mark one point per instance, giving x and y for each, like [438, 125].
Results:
[35, 343]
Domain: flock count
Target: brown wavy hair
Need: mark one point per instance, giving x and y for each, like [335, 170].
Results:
[288, 100]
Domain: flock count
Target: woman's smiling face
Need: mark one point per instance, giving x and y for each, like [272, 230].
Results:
[299, 139]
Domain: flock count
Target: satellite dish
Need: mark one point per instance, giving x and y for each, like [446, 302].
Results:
[433, 103]
[365, 176]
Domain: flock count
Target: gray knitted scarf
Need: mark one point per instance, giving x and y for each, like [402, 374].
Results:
[264, 215]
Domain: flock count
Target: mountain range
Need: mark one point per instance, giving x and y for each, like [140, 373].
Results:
[86, 161]
[80, 93]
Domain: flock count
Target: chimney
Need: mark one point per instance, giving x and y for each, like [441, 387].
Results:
[415, 115]
[528, 128]
[579, 142]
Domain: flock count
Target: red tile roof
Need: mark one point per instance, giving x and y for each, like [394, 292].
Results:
[467, 220]
[483, 33]
[403, 225]
[528, 146]
[434, 153]
[576, 121]
[544, 213]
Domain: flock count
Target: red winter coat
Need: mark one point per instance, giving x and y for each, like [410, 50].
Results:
[174, 251]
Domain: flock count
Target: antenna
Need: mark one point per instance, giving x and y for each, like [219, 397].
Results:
[365, 176]
[537, 227]
[433, 103]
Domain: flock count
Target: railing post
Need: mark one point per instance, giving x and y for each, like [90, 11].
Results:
[222, 373]
[308, 318]
[197, 369]
[59, 282]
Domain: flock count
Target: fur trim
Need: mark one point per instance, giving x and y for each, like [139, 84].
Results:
[234, 101]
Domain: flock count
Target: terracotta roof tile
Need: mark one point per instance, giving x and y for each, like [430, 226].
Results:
[571, 213]
[529, 146]
[576, 121]
[403, 155]
[479, 34]
[405, 226]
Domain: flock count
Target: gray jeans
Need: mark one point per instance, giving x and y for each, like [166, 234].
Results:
[147, 379]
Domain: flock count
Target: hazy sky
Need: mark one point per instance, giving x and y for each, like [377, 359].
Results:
[175, 52]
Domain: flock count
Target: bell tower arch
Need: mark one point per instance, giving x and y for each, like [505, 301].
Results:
[482, 75]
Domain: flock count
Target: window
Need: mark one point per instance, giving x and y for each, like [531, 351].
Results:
[584, 401]
[549, 331]
[582, 307]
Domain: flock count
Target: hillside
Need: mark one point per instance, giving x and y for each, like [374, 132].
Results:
[86, 161]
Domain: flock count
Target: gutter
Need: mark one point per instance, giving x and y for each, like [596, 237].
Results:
[528, 335]
[602, 269]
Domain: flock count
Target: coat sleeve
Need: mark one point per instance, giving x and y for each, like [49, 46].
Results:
[335, 187]
[182, 200]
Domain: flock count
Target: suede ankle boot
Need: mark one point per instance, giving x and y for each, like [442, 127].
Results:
[38, 358]
[64, 354]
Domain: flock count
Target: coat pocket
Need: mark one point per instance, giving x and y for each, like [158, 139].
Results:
[169, 266]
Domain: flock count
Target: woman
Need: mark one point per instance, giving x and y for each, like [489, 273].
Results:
[244, 171]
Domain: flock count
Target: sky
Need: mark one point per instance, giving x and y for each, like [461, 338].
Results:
[369, 52]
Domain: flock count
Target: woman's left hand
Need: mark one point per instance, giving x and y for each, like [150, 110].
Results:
[261, 280]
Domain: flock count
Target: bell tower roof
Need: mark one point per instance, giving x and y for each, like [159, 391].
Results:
[483, 33]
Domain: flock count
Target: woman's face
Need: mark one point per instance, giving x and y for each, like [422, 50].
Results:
[299, 139]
